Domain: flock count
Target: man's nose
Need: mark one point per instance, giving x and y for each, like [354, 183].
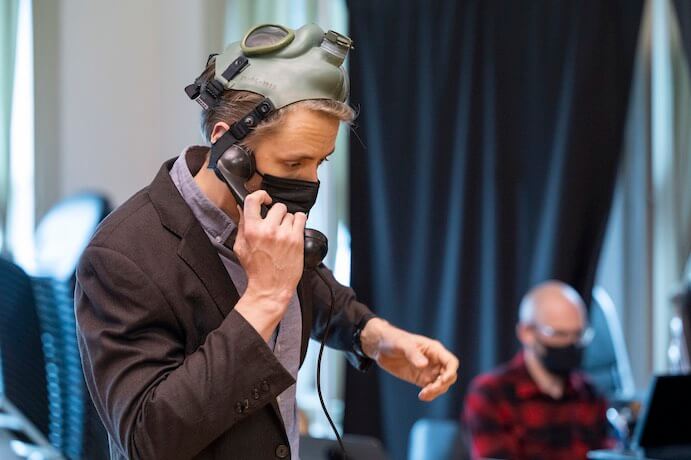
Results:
[312, 175]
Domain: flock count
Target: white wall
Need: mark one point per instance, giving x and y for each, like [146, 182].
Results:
[110, 105]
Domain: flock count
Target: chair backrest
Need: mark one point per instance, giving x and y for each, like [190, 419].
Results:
[23, 363]
[75, 428]
[436, 439]
[65, 230]
[606, 359]
[61, 237]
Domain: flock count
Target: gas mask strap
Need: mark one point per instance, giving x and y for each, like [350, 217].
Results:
[207, 94]
[239, 130]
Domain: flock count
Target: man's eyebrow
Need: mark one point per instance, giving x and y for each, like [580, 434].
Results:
[304, 156]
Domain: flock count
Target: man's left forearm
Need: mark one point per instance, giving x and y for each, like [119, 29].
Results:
[347, 316]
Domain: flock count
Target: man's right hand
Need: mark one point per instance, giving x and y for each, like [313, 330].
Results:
[271, 250]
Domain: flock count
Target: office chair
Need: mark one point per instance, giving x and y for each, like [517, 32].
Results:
[606, 359]
[61, 236]
[23, 363]
[64, 231]
[75, 428]
[436, 439]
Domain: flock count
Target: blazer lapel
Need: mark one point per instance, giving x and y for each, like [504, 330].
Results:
[194, 248]
[198, 253]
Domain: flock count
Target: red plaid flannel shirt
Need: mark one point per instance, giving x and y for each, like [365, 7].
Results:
[508, 417]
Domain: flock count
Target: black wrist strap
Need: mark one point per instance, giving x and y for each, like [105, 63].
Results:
[357, 343]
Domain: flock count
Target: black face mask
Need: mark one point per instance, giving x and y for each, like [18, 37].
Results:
[297, 195]
[561, 360]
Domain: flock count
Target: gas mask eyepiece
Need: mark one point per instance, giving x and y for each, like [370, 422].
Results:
[265, 39]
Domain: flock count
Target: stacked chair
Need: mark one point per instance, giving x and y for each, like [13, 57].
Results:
[72, 416]
[42, 370]
[61, 237]
[23, 366]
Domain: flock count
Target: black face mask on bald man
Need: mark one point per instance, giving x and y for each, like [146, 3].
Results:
[561, 361]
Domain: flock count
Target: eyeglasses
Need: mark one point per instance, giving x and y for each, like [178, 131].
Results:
[582, 337]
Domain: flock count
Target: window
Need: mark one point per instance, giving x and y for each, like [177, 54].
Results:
[20, 213]
[648, 239]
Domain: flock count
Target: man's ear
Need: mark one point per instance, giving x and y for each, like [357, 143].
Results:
[524, 334]
[219, 129]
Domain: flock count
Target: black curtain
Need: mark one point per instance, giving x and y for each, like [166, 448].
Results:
[485, 159]
[683, 8]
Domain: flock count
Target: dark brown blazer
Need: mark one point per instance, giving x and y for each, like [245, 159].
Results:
[173, 370]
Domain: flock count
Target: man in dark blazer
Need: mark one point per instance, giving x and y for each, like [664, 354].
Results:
[193, 313]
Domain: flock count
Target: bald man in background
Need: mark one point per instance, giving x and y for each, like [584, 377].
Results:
[539, 406]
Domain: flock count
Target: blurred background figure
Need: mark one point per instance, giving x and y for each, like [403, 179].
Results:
[540, 406]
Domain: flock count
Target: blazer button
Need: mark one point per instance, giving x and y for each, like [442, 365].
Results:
[265, 386]
[255, 393]
[245, 405]
[282, 451]
[239, 408]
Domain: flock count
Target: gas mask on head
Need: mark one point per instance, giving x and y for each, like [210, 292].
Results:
[283, 65]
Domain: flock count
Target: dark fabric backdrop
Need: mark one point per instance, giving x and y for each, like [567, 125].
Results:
[683, 8]
[485, 160]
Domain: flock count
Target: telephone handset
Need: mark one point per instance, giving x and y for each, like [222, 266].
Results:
[235, 166]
